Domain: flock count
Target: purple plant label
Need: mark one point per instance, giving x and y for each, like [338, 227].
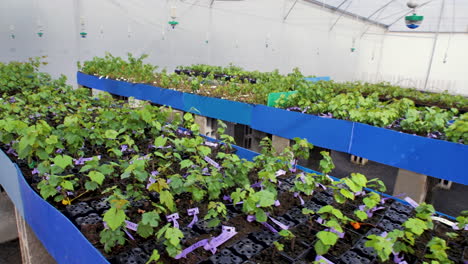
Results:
[206, 171]
[277, 203]
[302, 177]
[321, 259]
[193, 212]
[411, 202]
[321, 185]
[131, 225]
[129, 235]
[186, 251]
[173, 218]
[211, 144]
[272, 229]
[150, 181]
[333, 230]
[320, 221]
[251, 218]
[256, 185]
[361, 193]
[397, 258]
[280, 173]
[212, 162]
[226, 234]
[278, 223]
[296, 194]
[293, 164]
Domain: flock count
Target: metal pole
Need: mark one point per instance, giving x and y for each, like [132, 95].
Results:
[338, 19]
[434, 45]
[211, 4]
[383, 7]
[290, 9]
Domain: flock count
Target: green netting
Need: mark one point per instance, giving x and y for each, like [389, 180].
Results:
[273, 97]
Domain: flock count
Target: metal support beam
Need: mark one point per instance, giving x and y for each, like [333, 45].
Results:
[436, 37]
[323, 5]
[378, 10]
[407, 13]
[290, 9]
[341, 14]
[381, 8]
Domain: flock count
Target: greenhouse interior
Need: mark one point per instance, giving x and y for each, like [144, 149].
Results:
[233, 131]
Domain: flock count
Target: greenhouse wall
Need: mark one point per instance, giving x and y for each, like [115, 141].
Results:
[448, 66]
[251, 34]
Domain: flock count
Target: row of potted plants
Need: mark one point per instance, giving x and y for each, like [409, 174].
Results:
[145, 190]
[354, 102]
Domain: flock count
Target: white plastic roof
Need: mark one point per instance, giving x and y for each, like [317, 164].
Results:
[391, 13]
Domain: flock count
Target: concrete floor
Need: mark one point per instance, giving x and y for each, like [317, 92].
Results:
[10, 252]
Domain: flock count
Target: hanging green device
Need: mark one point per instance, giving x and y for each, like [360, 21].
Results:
[413, 21]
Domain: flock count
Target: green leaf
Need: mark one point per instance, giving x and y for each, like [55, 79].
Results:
[361, 215]
[320, 248]
[174, 235]
[327, 238]
[347, 194]
[154, 257]
[96, 177]
[63, 161]
[114, 218]
[416, 226]
[91, 186]
[160, 141]
[266, 198]
[151, 218]
[144, 230]
[68, 185]
[186, 163]
[261, 216]
[214, 222]
[52, 140]
[111, 134]
[167, 199]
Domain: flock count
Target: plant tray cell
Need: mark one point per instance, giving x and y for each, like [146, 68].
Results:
[374, 231]
[225, 256]
[363, 250]
[79, 209]
[395, 216]
[402, 208]
[202, 227]
[296, 215]
[352, 257]
[134, 256]
[188, 234]
[151, 245]
[388, 225]
[247, 248]
[100, 205]
[285, 221]
[322, 198]
[284, 187]
[312, 205]
[91, 219]
[265, 238]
